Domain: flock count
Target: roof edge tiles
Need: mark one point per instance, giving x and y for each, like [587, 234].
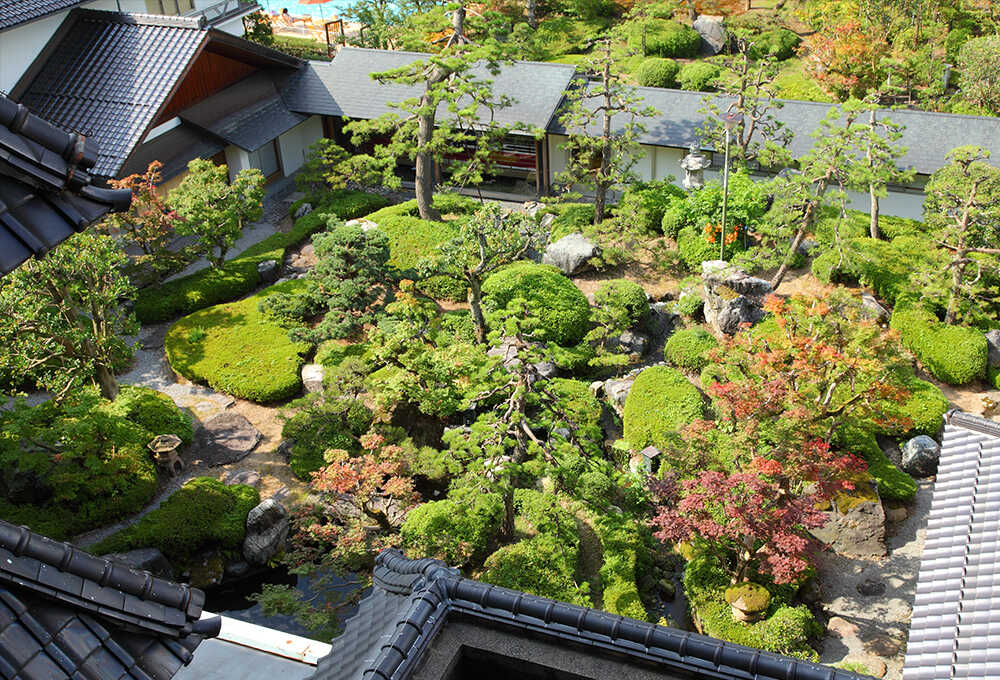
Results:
[436, 591]
[139, 19]
[972, 422]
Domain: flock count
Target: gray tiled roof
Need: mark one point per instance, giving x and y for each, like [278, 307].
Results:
[343, 87]
[412, 601]
[15, 12]
[248, 114]
[955, 627]
[928, 137]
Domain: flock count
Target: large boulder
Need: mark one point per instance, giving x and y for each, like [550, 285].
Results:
[920, 456]
[855, 525]
[312, 377]
[571, 253]
[993, 347]
[147, 559]
[267, 529]
[732, 297]
[712, 30]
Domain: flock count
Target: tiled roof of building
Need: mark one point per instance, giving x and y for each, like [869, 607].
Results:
[344, 87]
[67, 614]
[955, 626]
[45, 190]
[16, 12]
[413, 600]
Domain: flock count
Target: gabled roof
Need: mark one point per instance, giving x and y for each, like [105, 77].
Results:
[344, 87]
[45, 190]
[67, 614]
[955, 626]
[108, 75]
[16, 12]
[413, 601]
[928, 137]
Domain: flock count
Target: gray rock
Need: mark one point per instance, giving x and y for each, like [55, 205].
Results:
[920, 456]
[633, 342]
[267, 529]
[571, 253]
[546, 369]
[617, 390]
[268, 271]
[285, 448]
[871, 588]
[366, 225]
[532, 207]
[508, 352]
[661, 322]
[732, 297]
[896, 515]
[562, 432]
[667, 589]
[858, 532]
[312, 377]
[806, 246]
[295, 196]
[245, 477]
[237, 569]
[546, 221]
[871, 309]
[303, 210]
[308, 250]
[993, 343]
[596, 387]
[146, 559]
[224, 438]
[712, 30]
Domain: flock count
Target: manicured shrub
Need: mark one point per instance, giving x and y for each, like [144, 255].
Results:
[686, 348]
[660, 402]
[626, 295]
[542, 566]
[457, 533]
[570, 218]
[153, 411]
[779, 43]
[657, 72]
[694, 248]
[676, 216]
[664, 38]
[561, 308]
[893, 483]
[643, 205]
[698, 76]
[238, 276]
[953, 354]
[320, 426]
[626, 555]
[925, 408]
[993, 377]
[202, 514]
[235, 349]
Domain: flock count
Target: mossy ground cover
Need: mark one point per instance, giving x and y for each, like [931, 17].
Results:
[661, 402]
[235, 349]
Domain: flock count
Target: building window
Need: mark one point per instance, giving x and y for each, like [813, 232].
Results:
[265, 159]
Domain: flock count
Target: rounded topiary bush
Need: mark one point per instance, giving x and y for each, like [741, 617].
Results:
[665, 38]
[660, 402]
[627, 295]
[925, 409]
[657, 72]
[454, 532]
[687, 348]
[540, 566]
[562, 310]
[644, 204]
[698, 75]
[953, 354]
[779, 43]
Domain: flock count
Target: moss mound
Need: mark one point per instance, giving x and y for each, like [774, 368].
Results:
[953, 354]
[687, 348]
[660, 402]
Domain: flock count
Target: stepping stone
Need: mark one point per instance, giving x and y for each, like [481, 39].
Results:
[247, 477]
[224, 438]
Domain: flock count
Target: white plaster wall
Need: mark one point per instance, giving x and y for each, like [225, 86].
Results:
[237, 159]
[233, 26]
[294, 144]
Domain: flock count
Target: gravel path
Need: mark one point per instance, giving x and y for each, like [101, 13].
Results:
[873, 629]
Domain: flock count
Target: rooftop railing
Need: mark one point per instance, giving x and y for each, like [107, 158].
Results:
[223, 10]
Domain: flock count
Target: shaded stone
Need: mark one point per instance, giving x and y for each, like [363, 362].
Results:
[268, 271]
[841, 627]
[667, 588]
[596, 387]
[993, 345]
[857, 528]
[224, 438]
[920, 456]
[147, 559]
[881, 645]
[871, 309]
[871, 588]
[807, 245]
[633, 342]
[237, 569]
[531, 208]
[712, 29]
[546, 369]
[617, 390]
[811, 592]
[285, 448]
[732, 297]
[267, 529]
[303, 210]
[312, 377]
[571, 253]
[896, 515]
[662, 321]
[245, 477]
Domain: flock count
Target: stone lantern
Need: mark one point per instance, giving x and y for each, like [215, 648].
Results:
[694, 165]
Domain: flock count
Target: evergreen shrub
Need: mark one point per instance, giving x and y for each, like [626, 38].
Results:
[457, 533]
[626, 295]
[657, 72]
[664, 38]
[660, 402]
[643, 205]
[686, 348]
[779, 43]
[698, 76]
[953, 354]
[330, 424]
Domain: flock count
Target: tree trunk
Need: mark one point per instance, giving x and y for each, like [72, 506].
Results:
[106, 381]
[507, 526]
[532, 18]
[783, 269]
[600, 185]
[476, 306]
[424, 174]
[956, 288]
[873, 226]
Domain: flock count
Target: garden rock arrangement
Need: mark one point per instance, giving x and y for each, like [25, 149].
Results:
[267, 529]
[571, 253]
[855, 526]
[224, 438]
[920, 456]
[732, 297]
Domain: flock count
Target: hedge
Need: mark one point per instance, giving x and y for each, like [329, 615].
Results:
[239, 276]
[657, 72]
[235, 349]
[644, 205]
[953, 354]
[626, 557]
[332, 424]
[686, 348]
[660, 402]
[698, 76]
[562, 310]
[202, 514]
[664, 38]
[458, 533]
[893, 483]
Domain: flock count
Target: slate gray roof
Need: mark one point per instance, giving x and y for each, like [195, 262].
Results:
[248, 114]
[412, 600]
[67, 614]
[45, 189]
[343, 87]
[928, 137]
[16, 12]
[955, 626]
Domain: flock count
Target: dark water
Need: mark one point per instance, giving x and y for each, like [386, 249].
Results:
[235, 599]
[676, 611]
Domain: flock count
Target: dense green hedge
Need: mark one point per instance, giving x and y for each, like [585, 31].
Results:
[660, 402]
[953, 354]
[657, 72]
[561, 308]
[698, 76]
[925, 408]
[694, 248]
[202, 514]
[324, 425]
[686, 348]
[626, 295]
[238, 276]
[103, 471]
[893, 483]
[542, 565]
[458, 533]
[664, 38]
[235, 349]
[570, 218]
[626, 557]
[643, 205]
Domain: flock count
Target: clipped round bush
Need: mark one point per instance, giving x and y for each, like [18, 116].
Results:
[925, 408]
[627, 295]
[779, 43]
[644, 204]
[454, 532]
[893, 484]
[539, 566]
[562, 310]
[235, 349]
[664, 38]
[657, 72]
[686, 348]
[698, 76]
[953, 354]
[660, 402]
